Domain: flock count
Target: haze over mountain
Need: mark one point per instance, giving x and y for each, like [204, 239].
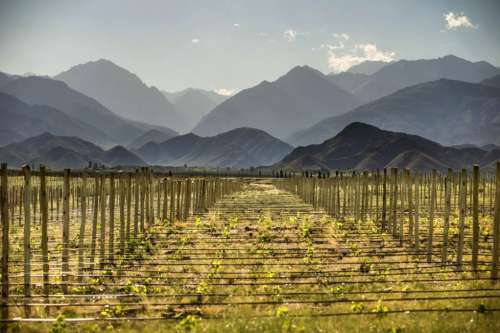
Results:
[193, 104]
[58, 152]
[238, 148]
[405, 73]
[364, 147]
[123, 93]
[57, 94]
[300, 98]
[447, 111]
[19, 121]
[150, 136]
[349, 81]
[492, 81]
[367, 67]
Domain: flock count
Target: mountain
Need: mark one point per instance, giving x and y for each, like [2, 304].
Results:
[58, 152]
[212, 95]
[348, 81]
[238, 148]
[449, 112]
[193, 104]
[367, 67]
[405, 73]
[300, 98]
[19, 121]
[492, 81]
[364, 147]
[6, 78]
[153, 135]
[57, 94]
[123, 93]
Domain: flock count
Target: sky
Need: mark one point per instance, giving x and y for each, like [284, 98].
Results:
[228, 45]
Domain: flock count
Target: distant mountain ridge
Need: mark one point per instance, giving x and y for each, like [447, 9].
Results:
[58, 152]
[124, 93]
[405, 73]
[364, 147]
[57, 94]
[447, 111]
[193, 104]
[19, 121]
[238, 148]
[299, 98]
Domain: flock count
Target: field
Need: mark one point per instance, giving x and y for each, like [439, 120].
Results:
[143, 252]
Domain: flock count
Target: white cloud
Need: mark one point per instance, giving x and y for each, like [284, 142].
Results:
[360, 53]
[343, 36]
[225, 92]
[195, 40]
[290, 34]
[458, 20]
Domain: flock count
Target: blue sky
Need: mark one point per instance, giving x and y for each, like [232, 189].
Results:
[235, 44]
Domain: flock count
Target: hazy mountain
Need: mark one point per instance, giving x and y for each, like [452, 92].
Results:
[348, 81]
[449, 112]
[367, 67]
[193, 104]
[123, 93]
[212, 95]
[238, 148]
[19, 121]
[57, 94]
[492, 81]
[490, 147]
[300, 98]
[58, 152]
[6, 78]
[365, 147]
[155, 136]
[405, 73]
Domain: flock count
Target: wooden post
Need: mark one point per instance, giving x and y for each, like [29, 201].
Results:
[129, 199]
[102, 240]
[496, 227]
[416, 217]
[384, 201]
[446, 220]
[121, 196]
[4, 213]
[475, 216]
[394, 200]
[172, 201]
[83, 222]
[44, 226]
[136, 203]
[95, 207]
[111, 244]
[430, 230]
[461, 217]
[65, 232]
[27, 237]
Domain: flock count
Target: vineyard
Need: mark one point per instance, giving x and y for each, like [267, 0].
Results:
[390, 250]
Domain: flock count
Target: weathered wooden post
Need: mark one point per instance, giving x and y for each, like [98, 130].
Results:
[446, 220]
[65, 232]
[44, 227]
[95, 211]
[27, 237]
[496, 227]
[461, 216]
[83, 222]
[4, 213]
[430, 231]
[475, 216]
[102, 240]
[111, 243]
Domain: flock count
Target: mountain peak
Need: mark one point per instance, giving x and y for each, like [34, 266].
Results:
[302, 71]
